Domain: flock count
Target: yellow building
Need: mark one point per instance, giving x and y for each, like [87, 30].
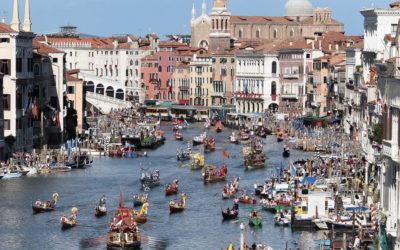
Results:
[201, 80]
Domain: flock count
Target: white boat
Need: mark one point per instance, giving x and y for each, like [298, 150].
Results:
[31, 170]
[233, 138]
[11, 175]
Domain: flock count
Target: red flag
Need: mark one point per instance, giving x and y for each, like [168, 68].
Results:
[225, 154]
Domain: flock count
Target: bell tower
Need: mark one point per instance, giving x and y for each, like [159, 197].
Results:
[220, 36]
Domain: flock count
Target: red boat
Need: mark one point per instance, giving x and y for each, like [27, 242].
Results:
[123, 224]
[178, 206]
[209, 144]
[172, 189]
[245, 199]
[178, 136]
[212, 174]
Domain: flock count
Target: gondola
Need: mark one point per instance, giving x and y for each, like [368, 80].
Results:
[140, 218]
[209, 145]
[139, 200]
[198, 140]
[233, 138]
[247, 200]
[286, 151]
[150, 179]
[255, 219]
[48, 206]
[101, 209]
[178, 136]
[183, 155]
[178, 206]
[67, 223]
[281, 221]
[230, 214]
[212, 174]
[172, 189]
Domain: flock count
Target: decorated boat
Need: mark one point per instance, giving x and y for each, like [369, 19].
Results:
[178, 136]
[254, 161]
[207, 124]
[183, 155]
[231, 189]
[219, 126]
[275, 206]
[69, 222]
[47, 206]
[198, 140]
[172, 189]
[282, 219]
[123, 232]
[286, 151]
[116, 150]
[139, 199]
[150, 179]
[197, 161]
[141, 216]
[212, 174]
[178, 206]
[255, 219]
[231, 213]
[245, 199]
[101, 209]
[209, 144]
[233, 138]
[244, 136]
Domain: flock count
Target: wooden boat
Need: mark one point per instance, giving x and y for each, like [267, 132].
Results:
[178, 136]
[231, 189]
[183, 155]
[139, 200]
[48, 206]
[247, 200]
[233, 138]
[197, 161]
[140, 218]
[209, 145]
[67, 223]
[172, 189]
[244, 136]
[212, 174]
[150, 178]
[198, 140]
[207, 124]
[255, 161]
[255, 219]
[230, 214]
[123, 233]
[279, 221]
[219, 126]
[178, 206]
[101, 209]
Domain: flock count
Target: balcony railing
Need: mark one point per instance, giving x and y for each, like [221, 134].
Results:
[289, 96]
[391, 150]
[218, 94]
[292, 75]
[248, 96]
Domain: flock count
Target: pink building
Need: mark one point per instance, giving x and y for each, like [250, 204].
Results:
[150, 78]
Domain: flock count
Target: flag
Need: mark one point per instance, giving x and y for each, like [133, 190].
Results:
[225, 154]
[293, 171]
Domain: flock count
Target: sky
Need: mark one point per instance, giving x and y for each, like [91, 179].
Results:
[138, 17]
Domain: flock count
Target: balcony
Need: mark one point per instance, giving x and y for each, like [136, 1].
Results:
[289, 96]
[248, 96]
[218, 94]
[390, 150]
[183, 88]
[291, 75]
[315, 104]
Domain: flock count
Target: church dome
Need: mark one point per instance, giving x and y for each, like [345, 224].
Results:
[298, 8]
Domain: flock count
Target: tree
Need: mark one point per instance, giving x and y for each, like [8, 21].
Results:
[377, 132]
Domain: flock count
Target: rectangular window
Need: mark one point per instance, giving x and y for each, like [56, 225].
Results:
[55, 60]
[6, 102]
[30, 64]
[7, 125]
[70, 89]
[19, 101]
[5, 66]
[5, 40]
[19, 65]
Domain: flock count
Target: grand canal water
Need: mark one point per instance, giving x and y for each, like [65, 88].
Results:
[199, 227]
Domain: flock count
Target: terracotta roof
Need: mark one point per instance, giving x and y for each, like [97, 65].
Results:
[133, 38]
[310, 20]
[294, 43]
[260, 19]
[4, 28]
[44, 49]
[150, 58]
[358, 45]
[171, 44]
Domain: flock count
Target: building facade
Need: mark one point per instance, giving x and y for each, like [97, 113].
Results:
[201, 80]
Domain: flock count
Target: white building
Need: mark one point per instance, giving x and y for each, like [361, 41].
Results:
[378, 23]
[257, 79]
[117, 59]
[16, 63]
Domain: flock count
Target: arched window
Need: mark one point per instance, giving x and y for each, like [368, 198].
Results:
[226, 24]
[257, 33]
[291, 33]
[240, 33]
[273, 67]
[275, 34]
[213, 24]
[136, 63]
[131, 62]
